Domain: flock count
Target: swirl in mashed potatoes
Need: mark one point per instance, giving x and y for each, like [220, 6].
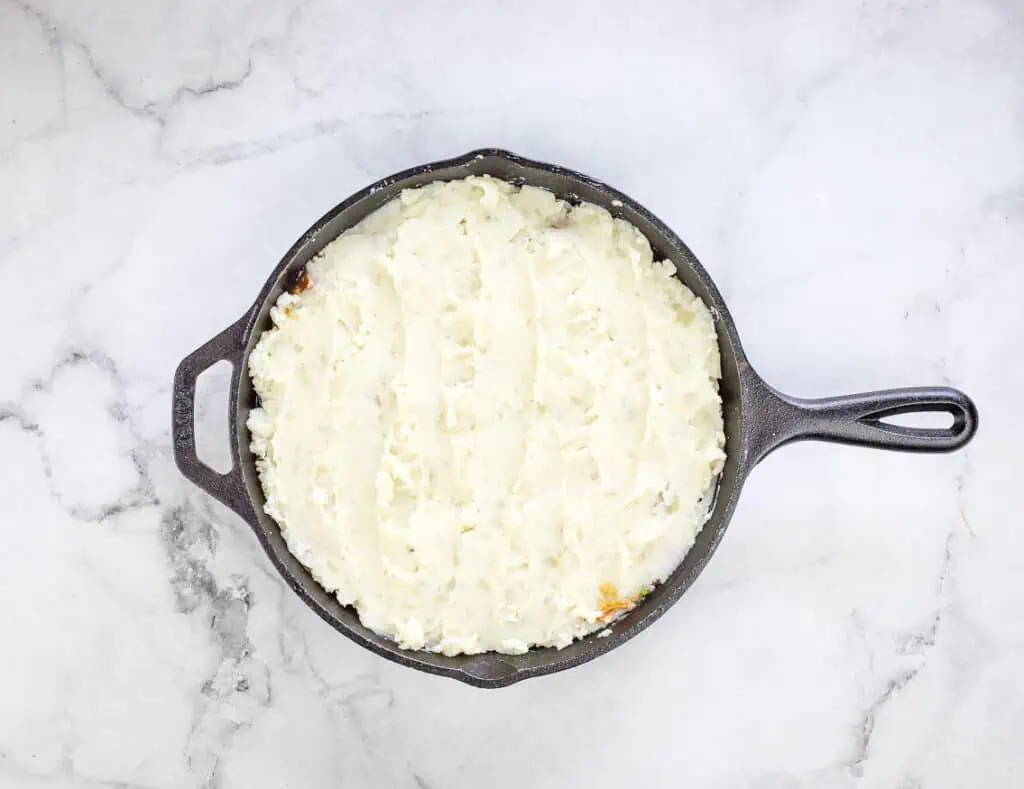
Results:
[491, 421]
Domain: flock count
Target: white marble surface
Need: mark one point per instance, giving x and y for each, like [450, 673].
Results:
[852, 175]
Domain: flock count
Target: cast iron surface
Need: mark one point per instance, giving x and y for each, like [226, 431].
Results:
[758, 419]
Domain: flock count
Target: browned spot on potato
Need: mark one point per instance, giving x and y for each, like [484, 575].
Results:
[301, 283]
[611, 603]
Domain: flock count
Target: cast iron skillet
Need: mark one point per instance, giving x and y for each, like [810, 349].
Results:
[758, 419]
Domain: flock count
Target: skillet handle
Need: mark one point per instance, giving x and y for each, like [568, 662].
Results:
[857, 419]
[229, 488]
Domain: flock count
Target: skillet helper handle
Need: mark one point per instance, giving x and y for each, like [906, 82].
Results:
[857, 419]
[229, 488]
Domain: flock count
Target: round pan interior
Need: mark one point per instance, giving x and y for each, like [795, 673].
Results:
[490, 669]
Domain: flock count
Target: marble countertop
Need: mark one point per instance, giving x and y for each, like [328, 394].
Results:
[850, 173]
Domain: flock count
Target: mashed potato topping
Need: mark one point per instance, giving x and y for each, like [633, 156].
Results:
[491, 420]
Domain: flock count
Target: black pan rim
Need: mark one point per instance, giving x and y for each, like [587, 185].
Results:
[493, 670]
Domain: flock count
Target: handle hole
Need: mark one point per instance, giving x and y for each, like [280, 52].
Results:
[213, 387]
[921, 420]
